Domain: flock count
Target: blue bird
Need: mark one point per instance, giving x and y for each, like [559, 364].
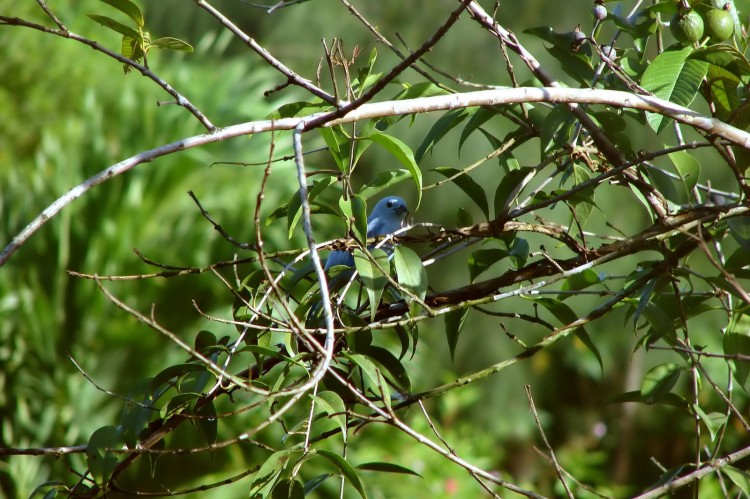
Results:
[387, 217]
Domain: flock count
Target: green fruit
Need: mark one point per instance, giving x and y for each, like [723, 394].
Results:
[719, 25]
[687, 28]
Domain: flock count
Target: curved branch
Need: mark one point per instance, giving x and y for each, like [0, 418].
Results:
[496, 97]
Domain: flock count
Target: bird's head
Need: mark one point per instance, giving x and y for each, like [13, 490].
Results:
[387, 216]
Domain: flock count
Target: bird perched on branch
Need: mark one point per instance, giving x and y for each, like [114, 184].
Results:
[387, 217]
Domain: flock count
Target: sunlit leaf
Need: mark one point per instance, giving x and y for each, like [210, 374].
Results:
[673, 76]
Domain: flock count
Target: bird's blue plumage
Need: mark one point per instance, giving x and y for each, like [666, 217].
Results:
[386, 217]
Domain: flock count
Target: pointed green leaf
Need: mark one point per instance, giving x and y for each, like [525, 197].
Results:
[659, 381]
[688, 168]
[481, 260]
[468, 185]
[332, 404]
[373, 279]
[479, 118]
[269, 472]
[402, 153]
[116, 26]
[99, 456]
[440, 128]
[294, 208]
[740, 478]
[739, 344]
[410, 271]
[345, 468]
[674, 77]
[510, 187]
[454, 323]
[169, 43]
[384, 181]
[387, 468]
[392, 365]
[129, 9]
[566, 315]
[208, 422]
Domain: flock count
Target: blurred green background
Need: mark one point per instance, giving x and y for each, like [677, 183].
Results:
[67, 112]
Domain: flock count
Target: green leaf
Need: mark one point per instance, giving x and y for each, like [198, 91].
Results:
[129, 9]
[268, 474]
[673, 76]
[738, 477]
[714, 421]
[173, 372]
[402, 153]
[207, 421]
[392, 365]
[479, 118]
[739, 344]
[454, 323]
[117, 26]
[373, 279]
[566, 315]
[468, 185]
[441, 127]
[557, 130]
[658, 382]
[363, 363]
[384, 181]
[576, 64]
[345, 468]
[510, 187]
[333, 405]
[294, 209]
[410, 271]
[335, 138]
[288, 489]
[99, 456]
[355, 210]
[688, 168]
[387, 468]
[169, 43]
[481, 260]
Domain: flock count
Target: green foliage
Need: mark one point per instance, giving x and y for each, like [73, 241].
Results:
[558, 245]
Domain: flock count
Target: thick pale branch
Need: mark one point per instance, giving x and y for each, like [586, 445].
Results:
[394, 108]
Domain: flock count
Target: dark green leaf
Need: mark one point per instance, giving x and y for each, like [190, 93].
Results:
[387, 468]
[454, 323]
[441, 127]
[481, 260]
[269, 472]
[739, 344]
[479, 117]
[288, 489]
[294, 207]
[392, 365]
[566, 316]
[207, 421]
[99, 456]
[345, 468]
[510, 187]
[468, 185]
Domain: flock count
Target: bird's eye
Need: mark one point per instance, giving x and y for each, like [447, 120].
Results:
[390, 203]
